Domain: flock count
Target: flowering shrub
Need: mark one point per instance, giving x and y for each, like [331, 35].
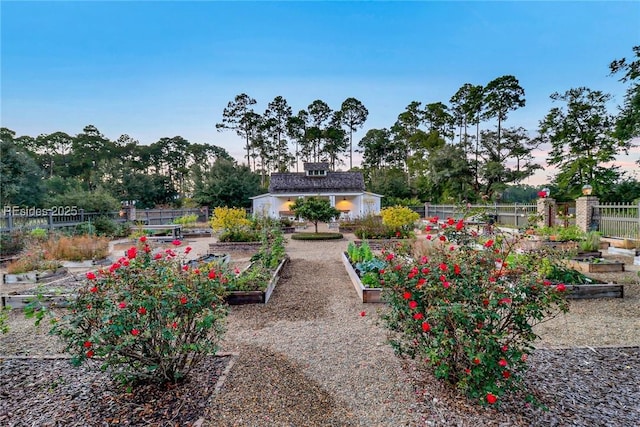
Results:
[146, 317]
[399, 218]
[229, 220]
[467, 312]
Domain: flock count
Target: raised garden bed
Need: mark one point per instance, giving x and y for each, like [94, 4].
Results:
[223, 247]
[621, 251]
[595, 290]
[596, 265]
[206, 259]
[34, 276]
[21, 301]
[584, 255]
[257, 297]
[367, 295]
[197, 232]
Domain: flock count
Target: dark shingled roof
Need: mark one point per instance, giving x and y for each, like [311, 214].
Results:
[316, 166]
[334, 182]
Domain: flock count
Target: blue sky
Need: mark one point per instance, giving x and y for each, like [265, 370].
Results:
[156, 69]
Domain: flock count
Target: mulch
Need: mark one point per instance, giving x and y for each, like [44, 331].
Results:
[51, 392]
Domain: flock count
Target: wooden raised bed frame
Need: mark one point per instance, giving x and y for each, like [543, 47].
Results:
[596, 290]
[596, 267]
[257, 297]
[367, 295]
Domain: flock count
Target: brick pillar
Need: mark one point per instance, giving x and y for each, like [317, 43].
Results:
[584, 211]
[547, 211]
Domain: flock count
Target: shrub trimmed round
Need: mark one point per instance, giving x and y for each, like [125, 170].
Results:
[317, 236]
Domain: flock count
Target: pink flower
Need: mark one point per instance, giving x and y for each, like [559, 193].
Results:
[91, 275]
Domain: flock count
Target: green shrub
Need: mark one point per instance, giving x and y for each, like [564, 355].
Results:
[187, 220]
[591, 242]
[146, 317]
[38, 234]
[467, 312]
[240, 236]
[371, 227]
[11, 243]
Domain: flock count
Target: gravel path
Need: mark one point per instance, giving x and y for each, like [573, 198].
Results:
[308, 358]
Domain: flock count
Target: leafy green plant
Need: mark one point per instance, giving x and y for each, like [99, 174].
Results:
[591, 241]
[38, 234]
[359, 253]
[4, 319]
[468, 312]
[187, 221]
[264, 263]
[146, 317]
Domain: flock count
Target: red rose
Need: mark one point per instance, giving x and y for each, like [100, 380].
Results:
[476, 361]
[491, 398]
[460, 225]
[143, 239]
[428, 228]
[135, 332]
[506, 374]
[406, 295]
[446, 284]
[450, 221]
[157, 256]
[132, 252]
[485, 302]
[504, 348]
[185, 267]
[426, 327]
[443, 267]
[90, 353]
[502, 363]
[142, 310]
[456, 269]
[546, 282]
[434, 220]
[442, 238]
[122, 304]
[382, 271]
[174, 325]
[91, 275]
[429, 237]
[389, 257]
[212, 274]
[187, 250]
[421, 283]
[87, 344]
[425, 270]
[504, 301]
[363, 313]
[183, 300]
[561, 287]
[93, 290]
[413, 304]
[147, 249]
[418, 316]
[176, 242]
[488, 244]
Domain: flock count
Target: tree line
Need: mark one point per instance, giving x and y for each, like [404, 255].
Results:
[464, 149]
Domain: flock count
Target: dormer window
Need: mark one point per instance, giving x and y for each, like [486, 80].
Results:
[316, 173]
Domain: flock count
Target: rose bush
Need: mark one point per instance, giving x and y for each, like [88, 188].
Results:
[147, 316]
[466, 311]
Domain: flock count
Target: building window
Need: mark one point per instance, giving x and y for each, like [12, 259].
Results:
[317, 173]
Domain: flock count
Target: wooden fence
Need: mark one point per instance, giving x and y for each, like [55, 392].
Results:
[514, 215]
[617, 220]
[51, 219]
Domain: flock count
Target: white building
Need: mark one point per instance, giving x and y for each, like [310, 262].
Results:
[344, 190]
